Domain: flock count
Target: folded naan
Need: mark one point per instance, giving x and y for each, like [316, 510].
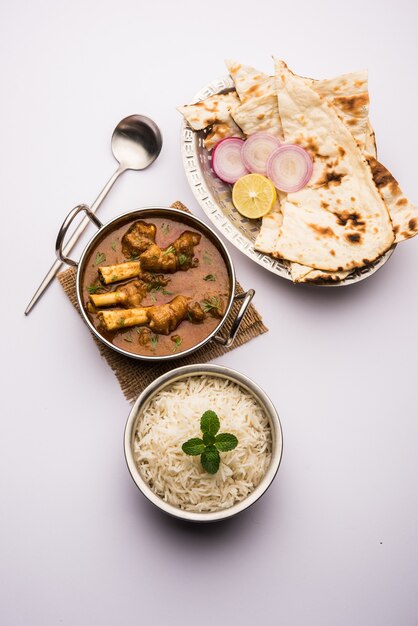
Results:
[214, 112]
[339, 220]
[250, 82]
[349, 95]
[258, 110]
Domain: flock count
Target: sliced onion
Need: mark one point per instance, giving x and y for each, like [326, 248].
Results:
[227, 161]
[289, 168]
[256, 151]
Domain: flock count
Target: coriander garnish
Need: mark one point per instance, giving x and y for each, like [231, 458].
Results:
[211, 443]
[207, 258]
[128, 337]
[154, 341]
[114, 244]
[165, 228]
[182, 259]
[210, 277]
[155, 288]
[100, 258]
[170, 250]
[211, 304]
[177, 342]
[95, 288]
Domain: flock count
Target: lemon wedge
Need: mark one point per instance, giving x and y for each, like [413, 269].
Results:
[253, 195]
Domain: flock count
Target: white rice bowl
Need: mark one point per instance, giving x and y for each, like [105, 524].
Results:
[172, 417]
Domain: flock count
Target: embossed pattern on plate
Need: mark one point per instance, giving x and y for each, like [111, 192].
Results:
[214, 196]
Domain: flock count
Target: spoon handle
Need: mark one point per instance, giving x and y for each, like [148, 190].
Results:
[55, 267]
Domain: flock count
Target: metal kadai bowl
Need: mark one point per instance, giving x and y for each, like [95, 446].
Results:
[166, 381]
[215, 198]
[224, 338]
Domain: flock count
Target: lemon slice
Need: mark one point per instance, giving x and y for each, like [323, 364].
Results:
[253, 195]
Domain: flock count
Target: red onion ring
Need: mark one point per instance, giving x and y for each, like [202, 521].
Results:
[289, 168]
[256, 151]
[227, 162]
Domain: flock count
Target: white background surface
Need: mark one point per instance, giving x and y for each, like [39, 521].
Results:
[334, 542]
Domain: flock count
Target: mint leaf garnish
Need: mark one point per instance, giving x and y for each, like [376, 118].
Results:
[211, 444]
[210, 459]
[208, 439]
[225, 442]
[210, 423]
[193, 447]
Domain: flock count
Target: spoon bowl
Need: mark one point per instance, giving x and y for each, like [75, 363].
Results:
[136, 142]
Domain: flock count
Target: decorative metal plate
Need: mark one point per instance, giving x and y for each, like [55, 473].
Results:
[214, 196]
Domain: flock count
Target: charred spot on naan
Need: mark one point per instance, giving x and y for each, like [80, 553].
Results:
[382, 177]
[254, 90]
[412, 228]
[351, 219]
[324, 231]
[311, 146]
[354, 238]
[330, 177]
[354, 104]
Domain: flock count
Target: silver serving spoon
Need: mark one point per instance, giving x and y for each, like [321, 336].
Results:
[136, 143]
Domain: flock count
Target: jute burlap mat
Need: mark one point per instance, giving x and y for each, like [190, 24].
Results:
[134, 376]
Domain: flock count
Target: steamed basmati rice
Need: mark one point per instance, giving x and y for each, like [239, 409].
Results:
[173, 416]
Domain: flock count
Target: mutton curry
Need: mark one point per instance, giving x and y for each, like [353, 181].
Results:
[155, 287]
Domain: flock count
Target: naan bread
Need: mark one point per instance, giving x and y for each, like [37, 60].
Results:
[349, 95]
[304, 274]
[214, 111]
[220, 131]
[403, 213]
[259, 115]
[258, 111]
[370, 147]
[345, 87]
[250, 82]
[338, 221]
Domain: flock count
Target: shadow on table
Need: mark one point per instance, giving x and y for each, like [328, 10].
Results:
[326, 297]
[192, 533]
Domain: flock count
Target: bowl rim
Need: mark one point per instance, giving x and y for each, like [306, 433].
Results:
[210, 370]
[175, 213]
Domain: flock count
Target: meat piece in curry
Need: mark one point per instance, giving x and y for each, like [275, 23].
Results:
[131, 294]
[178, 256]
[138, 238]
[161, 319]
[155, 275]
